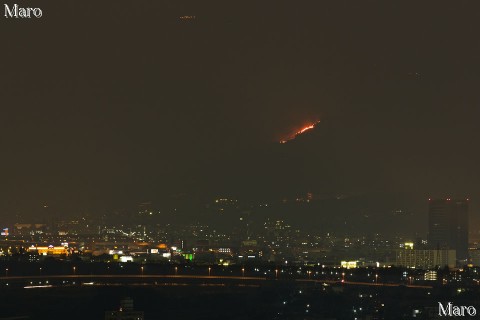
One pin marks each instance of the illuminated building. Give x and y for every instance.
(25, 229)
(430, 275)
(408, 245)
(475, 257)
(448, 225)
(188, 256)
(349, 264)
(49, 250)
(425, 259)
(126, 259)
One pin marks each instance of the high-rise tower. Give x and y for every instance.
(448, 225)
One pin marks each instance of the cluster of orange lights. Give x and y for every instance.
(305, 129)
(299, 132)
(187, 17)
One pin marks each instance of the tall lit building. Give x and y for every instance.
(425, 259)
(448, 225)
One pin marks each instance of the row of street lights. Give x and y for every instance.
(74, 269)
(40, 271)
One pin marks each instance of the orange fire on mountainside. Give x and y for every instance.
(299, 132)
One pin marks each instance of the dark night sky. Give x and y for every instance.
(108, 103)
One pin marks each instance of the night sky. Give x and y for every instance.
(105, 104)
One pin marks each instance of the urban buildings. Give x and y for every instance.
(430, 258)
(448, 226)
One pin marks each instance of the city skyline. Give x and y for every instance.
(147, 110)
(238, 160)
